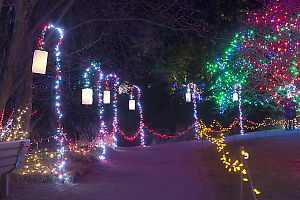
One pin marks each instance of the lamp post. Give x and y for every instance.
(237, 97)
(39, 66)
(291, 90)
(191, 97)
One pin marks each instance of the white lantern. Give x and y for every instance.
(235, 96)
(188, 97)
(106, 97)
(131, 104)
(87, 96)
(39, 62)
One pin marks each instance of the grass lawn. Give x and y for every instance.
(274, 165)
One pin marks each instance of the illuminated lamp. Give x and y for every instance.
(39, 62)
(235, 96)
(87, 96)
(188, 97)
(106, 97)
(131, 104)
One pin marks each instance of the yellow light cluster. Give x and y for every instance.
(264, 123)
(217, 125)
(231, 165)
(256, 191)
(40, 162)
(245, 154)
(124, 88)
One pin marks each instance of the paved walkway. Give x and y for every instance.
(160, 172)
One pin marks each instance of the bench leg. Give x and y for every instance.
(4, 185)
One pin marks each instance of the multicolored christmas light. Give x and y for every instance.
(238, 90)
(6, 127)
(195, 92)
(141, 129)
(60, 135)
(182, 87)
(264, 58)
(113, 87)
(111, 82)
(96, 67)
(278, 23)
(193, 87)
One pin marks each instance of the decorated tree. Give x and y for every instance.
(263, 58)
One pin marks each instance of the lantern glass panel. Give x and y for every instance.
(188, 97)
(87, 96)
(131, 104)
(235, 96)
(106, 97)
(39, 62)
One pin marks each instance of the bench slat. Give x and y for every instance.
(8, 153)
(9, 145)
(8, 161)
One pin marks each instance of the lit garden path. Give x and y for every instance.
(166, 171)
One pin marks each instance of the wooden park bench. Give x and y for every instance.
(12, 157)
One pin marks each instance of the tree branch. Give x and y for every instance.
(127, 19)
(42, 20)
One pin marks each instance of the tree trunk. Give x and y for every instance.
(25, 94)
(14, 53)
(26, 102)
(1, 4)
